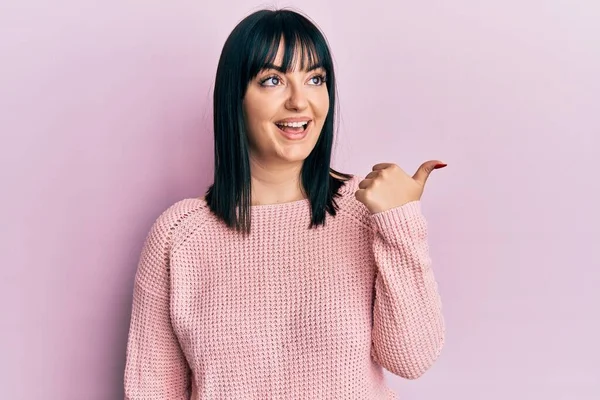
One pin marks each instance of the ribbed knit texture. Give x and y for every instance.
(287, 313)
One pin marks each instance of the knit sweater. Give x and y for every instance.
(286, 313)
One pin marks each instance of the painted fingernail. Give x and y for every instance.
(438, 166)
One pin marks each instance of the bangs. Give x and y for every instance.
(304, 47)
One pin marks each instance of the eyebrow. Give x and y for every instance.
(280, 69)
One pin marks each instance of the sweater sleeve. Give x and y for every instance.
(408, 326)
(156, 368)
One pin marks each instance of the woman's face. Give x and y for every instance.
(273, 96)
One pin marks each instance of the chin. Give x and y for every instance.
(294, 156)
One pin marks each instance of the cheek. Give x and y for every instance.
(252, 115)
(322, 104)
(321, 113)
(259, 111)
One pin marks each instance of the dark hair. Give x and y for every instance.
(252, 45)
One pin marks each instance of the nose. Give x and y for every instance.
(297, 99)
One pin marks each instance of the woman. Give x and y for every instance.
(288, 280)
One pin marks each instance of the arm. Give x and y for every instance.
(156, 368)
(408, 326)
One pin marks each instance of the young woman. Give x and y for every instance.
(288, 280)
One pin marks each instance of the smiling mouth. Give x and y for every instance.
(293, 129)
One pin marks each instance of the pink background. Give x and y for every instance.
(105, 115)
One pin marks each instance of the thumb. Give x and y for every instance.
(425, 169)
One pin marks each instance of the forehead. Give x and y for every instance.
(301, 56)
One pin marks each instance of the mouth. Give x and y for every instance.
(295, 128)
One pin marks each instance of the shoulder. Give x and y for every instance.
(350, 204)
(174, 221)
(179, 211)
(153, 266)
(350, 185)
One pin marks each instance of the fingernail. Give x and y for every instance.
(438, 166)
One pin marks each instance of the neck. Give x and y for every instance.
(272, 185)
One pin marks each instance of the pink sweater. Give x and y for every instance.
(288, 313)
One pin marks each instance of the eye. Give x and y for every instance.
(321, 79)
(276, 80)
(273, 78)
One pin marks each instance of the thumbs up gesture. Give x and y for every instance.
(388, 186)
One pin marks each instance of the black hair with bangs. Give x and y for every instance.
(251, 47)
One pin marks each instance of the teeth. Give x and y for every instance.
(293, 124)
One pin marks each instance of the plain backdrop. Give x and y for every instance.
(105, 116)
